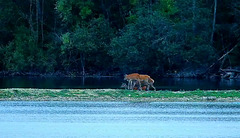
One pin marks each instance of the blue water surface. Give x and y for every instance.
(118, 119)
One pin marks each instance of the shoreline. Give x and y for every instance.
(118, 95)
(180, 75)
(55, 74)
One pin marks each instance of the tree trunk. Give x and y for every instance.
(214, 20)
(83, 64)
(37, 13)
(30, 17)
(105, 10)
(150, 7)
(83, 80)
(226, 57)
(42, 21)
(121, 11)
(194, 16)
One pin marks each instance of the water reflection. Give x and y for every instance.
(114, 82)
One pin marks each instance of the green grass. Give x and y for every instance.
(118, 95)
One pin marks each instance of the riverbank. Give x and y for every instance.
(21, 94)
(58, 74)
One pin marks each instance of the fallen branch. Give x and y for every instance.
(230, 70)
(220, 58)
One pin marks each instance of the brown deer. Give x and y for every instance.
(139, 79)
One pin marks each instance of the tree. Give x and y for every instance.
(140, 43)
(85, 44)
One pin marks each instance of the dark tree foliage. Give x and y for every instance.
(106, 37)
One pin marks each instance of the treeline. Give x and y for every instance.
(118, 36)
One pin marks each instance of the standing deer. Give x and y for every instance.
(139, 79)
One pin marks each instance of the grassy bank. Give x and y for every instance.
(17, 94)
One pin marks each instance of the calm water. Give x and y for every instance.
(118, 119)
(114, 82)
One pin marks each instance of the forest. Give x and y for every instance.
(110, 37)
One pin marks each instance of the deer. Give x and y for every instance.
(139, 79)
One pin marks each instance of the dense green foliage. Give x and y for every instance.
(121, 36)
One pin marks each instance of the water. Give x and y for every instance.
(118, 119)
(115, 82)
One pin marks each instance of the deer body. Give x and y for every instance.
(139, 79)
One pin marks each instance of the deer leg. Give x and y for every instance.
(133, 85)
(153, 87)
(124, 85)
(148, 87)
(140, 87)
(129, 83)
